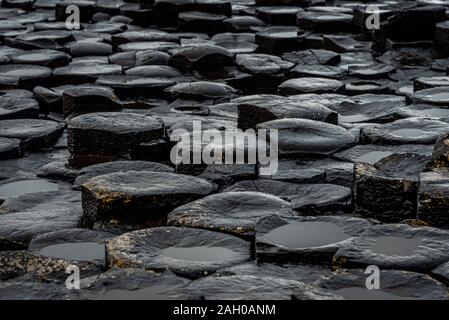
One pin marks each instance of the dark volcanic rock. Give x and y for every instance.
(440, 155)
(16, 104)
(310, 85)
(435, 96)
(58, 170)
(202, 57)
(46, 58)
(24, 289)
(267, 70)
(384, 112)
(278, 39)
(442, 273)
(90, 48)
(405, 131)
(17, 187)
(301, 136)
(202, 90)
(185, 251)
(10, 148)
(18, 263)
(140, 197)
(198, 21)
(242, 23)
(126, 86)
(395, 285)
(84, 72)
(316, 170)
(139, 58)
(253, 110)
(233, 212)
(250, 287)
(143, 36)
(23, 76)
(433, 193)
(441, 35)
(310, 240)
(396, 246)
(99, 137)
(313, 57)
(304, 273)
(387, 190)
(33, 133)
(324, 21)
(132, 284)
(307, 199)
(371, 154)
(72, 244)
(87, 100)
(278, 15)
(318, 71)
(100, 169)
(402, 26)
(17, 229)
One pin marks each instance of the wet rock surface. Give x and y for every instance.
(185, 251)
(132, 284)
(143, 197)
(15, 264)
(72, 244)
(233, 212)
(247, 287)
(17, 229)
(306, 240)
(89, 119)
(413, 249)
(398, 285)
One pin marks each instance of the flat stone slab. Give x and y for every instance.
(16, 104)
(311, 85)
(72, 244)
(432, 197)
(396, 246)
(441, 273)
(187, 252)
(10, 148)
(17, 229)
(256, 109)
(302, 136)
(232, 212)
(305, 240)
(100, 169)
(131, 284)
(316, 170)
(201, 57)
(139, 196)
(14, 264)
(308, 274)
(405, 131)
(395, 285)
(436, 96)
(95, 137)
(307, 199)
(249, 287)
(371, 154)
(387, 190)
(33, 133)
